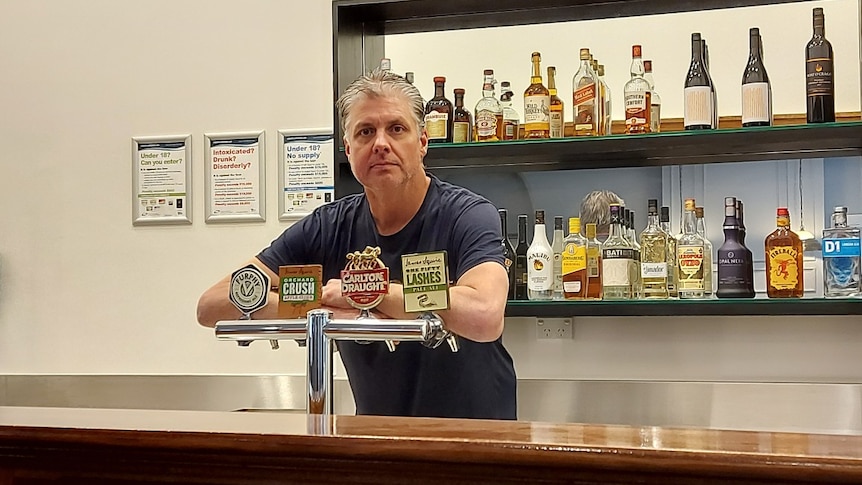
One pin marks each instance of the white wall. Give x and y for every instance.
(83, 291)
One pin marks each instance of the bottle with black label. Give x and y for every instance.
(734, 259)
(819, 74)
(508, 251)
(438, 114)
(699, 102)
(521, 259)
(756, 90)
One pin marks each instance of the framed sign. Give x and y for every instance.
(306, 159)
(235, 175)
(162, 180)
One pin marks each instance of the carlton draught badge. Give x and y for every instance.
(365, 279)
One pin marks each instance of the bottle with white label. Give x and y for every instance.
(699, 104)
(637, 96)
(841, 265)
(618, 256)
(653, 256)
(540, 263)
(756, 90)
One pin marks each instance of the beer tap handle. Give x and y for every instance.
(273, 344)
(390, 345)
(452, 340)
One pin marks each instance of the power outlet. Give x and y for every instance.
(554, 328)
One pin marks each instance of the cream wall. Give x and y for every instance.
(83, 291)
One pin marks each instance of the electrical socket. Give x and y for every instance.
(554, 328)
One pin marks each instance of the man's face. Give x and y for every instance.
(383, 142)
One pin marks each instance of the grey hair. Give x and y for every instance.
(595, 207)
(380, 83)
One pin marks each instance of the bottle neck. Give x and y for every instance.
(504, 226)
(522, 231)
(459, 100)
(754, 46)
(488, 88)
(839, 219)
(539, 234)
(782, 222)
(652, 221)
(438, 90)
(819, 27)
(689, 222)
(537, 73)
(701, 226)
(637, 68)
(696, 51)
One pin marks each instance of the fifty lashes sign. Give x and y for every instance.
(426, 282)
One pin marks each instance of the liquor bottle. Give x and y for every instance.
(489, 112)
(841, 265)
(537, 104)
(462, 120)
(594, 64)
(521, 259)
(511, 118)
(655, 99)
(734, 259)
(557, 250)
(653, 255)
(605, 99)
(699, 106)
(508, 251)
(438, 114)
(385, 64)
(756, 89)
(410, 77)
(594, 263)
(585, 90)
(784, 268)
(556, 106)
(707, 251)
(690, 256)
(631, 235)
(618, 257)
(705, 49)
(749, 272)
(574, 262)
(819, 74)
(540, 267)
(637, 96)
(670, 256)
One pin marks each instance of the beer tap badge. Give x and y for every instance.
(249, 289)
(299, 289)
(364, 279)
(426, 282)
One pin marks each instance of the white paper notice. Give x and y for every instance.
(308, 173)
(161, 181)
(235, 176)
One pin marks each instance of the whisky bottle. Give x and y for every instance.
(707, 251)
(605, 100)
(462, 121)
(690, 256)
(698, 103)
(594, 263)
(819, 74)
(537, 101)
(521, 259)
(585, 93)
(600, 113)
(637, 97)
(670, 255)
(841, 265)
(540, 267)
(556, 107)
(511, 118)
(756, 90)
(557, 250)
(653, 255)
(508, 251)
(438, 114)
(655, 99)
(618, 257)
(784, 270)
(489, 112)
(574, 262)
(734, 259)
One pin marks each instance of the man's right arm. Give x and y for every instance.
(215, 305)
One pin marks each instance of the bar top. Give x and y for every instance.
(492, 451)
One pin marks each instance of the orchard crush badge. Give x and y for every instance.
(364, 279)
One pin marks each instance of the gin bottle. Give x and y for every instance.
(690, 256)
(841, 265)
(540, 268)
(618, 257)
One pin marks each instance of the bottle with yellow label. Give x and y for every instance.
(574, 262)
(783, 260)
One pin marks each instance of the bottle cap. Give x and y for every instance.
(440, 79)
(574, 225)
(459, 91)
(540, 217)
(648, 66)
(585, 54)
(591, 230)
(783, 212)
(698, 211)
(636, 51)
(489, 72)
(689, 205)
(665, 214)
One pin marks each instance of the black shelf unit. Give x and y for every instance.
(715, 306)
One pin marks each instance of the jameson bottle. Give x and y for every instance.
(438, 114)
(508, 251)
(521, 259)
(783, 260)
(462, 120)
(734, 259)
(819, 74)
(699, 104)
(756, 90)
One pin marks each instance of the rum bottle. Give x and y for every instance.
(489, 112)
(618, 257)
(537, 102)
(784, 270)
(734, 259)
(508, 251)
(637, 96)
(438, 114)
(819, 74)
(756, 90)
(655, 99)
(585, 94)
(462, 121)
(699, 104)
(556, 106)
(540, 267)
(511, 118)
(690, 256)
(841, 268)
(594, 263)
(574, 262)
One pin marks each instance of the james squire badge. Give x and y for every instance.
(426, 281)
(364, 279)
(249, 289)
(299, 289)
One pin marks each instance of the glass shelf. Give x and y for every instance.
(713, 306)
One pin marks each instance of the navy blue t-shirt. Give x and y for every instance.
(479, 380)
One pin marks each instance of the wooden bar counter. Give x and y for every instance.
(100, 446)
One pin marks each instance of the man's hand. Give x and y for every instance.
(331, 295)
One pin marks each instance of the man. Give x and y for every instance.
(595, 207)
(403, 210)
